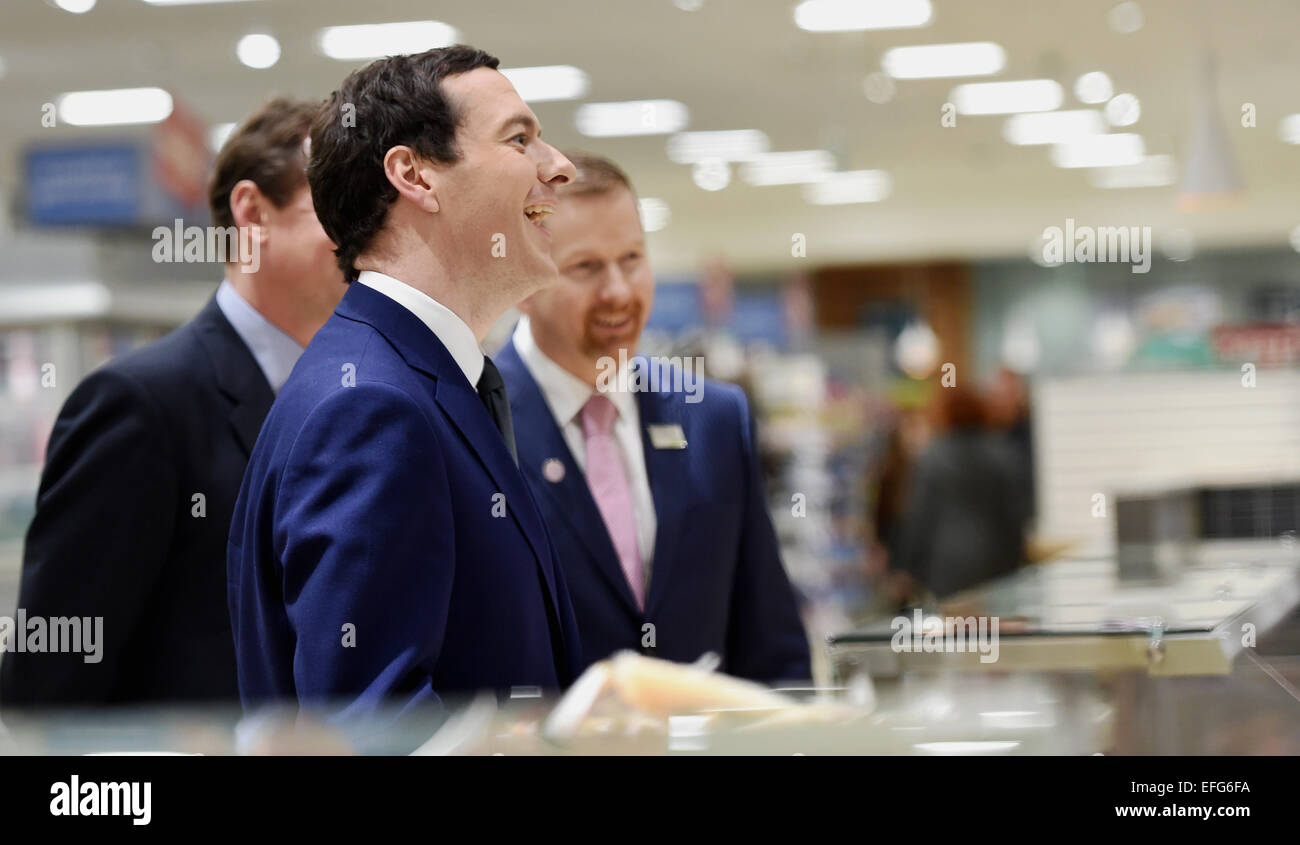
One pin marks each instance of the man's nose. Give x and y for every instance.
(616, 287)
(556, 169)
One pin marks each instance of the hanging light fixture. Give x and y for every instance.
(1211, 175)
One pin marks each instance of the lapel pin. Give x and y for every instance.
(553, 470)
(667, 436)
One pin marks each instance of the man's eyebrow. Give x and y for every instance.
(527, 121)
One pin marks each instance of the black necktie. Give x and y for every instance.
(492, 390)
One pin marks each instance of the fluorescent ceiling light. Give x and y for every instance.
(851, 186)
(728, 145)
(1100, 151)
(114, 107)
(1052, 127)
(77, 7)
(633, 117)
(548, 82)
(977, 58)
(372, 41)
(1123, 110)
(258, 50)
(1093, 88)
(1289, 129)
(857, 15)
(1150, 172)
(788, 168)
(711, 174)
(1007, 97)
(655, 213)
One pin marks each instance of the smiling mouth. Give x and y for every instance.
(612, 322)
(537, 215)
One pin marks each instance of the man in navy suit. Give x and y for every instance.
(147, 454)
(649, 482)
(385, 549)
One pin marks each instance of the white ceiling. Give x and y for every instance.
(958, 192)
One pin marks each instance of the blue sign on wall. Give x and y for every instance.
(85, 185)
(759, 317)
(676, 308)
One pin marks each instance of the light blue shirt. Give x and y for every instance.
(274, 351)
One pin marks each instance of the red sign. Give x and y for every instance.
(180, 156)
(1260, 343)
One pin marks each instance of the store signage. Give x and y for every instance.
(83, 185)
(1262, 344)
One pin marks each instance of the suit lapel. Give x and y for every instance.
(540, 440)
(239, 376)
(667, 469)
(423, 351)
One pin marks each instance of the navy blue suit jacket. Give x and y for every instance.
(120, 532)
(716, 583)
(385, 548)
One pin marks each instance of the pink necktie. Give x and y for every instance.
(609, 487)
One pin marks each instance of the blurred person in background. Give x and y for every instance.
(655, 500)
(903, 442)
(146, 456)
(1008, 403)
(966, 510)
(385, 550)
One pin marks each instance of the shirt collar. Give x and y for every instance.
(450, 329)
(274, 351)
(565, 393)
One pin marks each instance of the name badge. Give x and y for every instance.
(667, 436)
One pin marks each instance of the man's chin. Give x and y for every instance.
(526, 281)
(619, 352)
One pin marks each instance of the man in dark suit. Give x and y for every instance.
(147, 454)
(385, 549)
(652, 490)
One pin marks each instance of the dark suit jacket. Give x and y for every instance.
(717, 583)
(382, 502)
(119, 532)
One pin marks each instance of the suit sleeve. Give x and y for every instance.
(765, 638)
(105, 512)
(364, 533)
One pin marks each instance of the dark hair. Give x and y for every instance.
(596, 175)
(266, 148)
(958, 408)
(394, 101)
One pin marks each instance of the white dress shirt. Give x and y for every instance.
(454, 333)
(566, 394)
(273, 350)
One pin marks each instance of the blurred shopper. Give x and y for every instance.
(966, 512)
(653, 494)
(385, 549)
(903, 442)
(1008, 401)
(146, 457)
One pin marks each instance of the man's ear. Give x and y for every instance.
(414, 178)
(250, 209)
